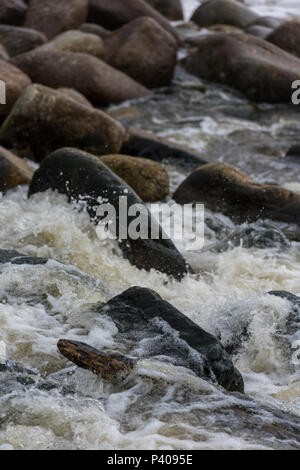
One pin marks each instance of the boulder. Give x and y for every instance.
(12, 11)
(171, 9)
(148, 179)
(97, 81)
(96, 29)
(222, 188)
(19, 40)
(259, 31)
(223, 12)
(84, 177)
(53, 17)
(141, 313)
(143, 50)
(15, 81)
(287, 37)
(140, 143)
(255, 67)
(75, 95)
(13, 170)
(115, 13)
(76, 41)
(44, 120)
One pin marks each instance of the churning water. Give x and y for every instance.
(160, 406)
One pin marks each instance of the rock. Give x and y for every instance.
(259, 31)
(44, 120)
(84, 177)
(255, 67)
(14, 257)
(224, 12)
(114, 14)
(141, 313)
(140, 143)
(76, 96)
(13, 170)
(222, 188)
(12, 11)
(3, 53)
(143, 50)
(15, 81)
(76, 41)
(19, 40)
(97, 81)
(294, 153)
(148, 179)
(268, 21)
(287, 37)
(171, 9)
(53, 17)
(96, 29)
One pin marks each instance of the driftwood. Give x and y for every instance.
(112, 367)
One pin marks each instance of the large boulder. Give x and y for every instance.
(84, 177)
(76, 41)
(141, 313)
(141, 143)
(13, 170)
(19, 40)
(53, 17)
(171, 9)
(12, 11)
(223, 188)
(44, 120)
(97, 81)
(148, 179)
(115, 13)
(15, 81)
(259, 69)
(287, 37)
(143, 50)
(223, 12)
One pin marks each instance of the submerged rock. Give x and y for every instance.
(44, 120)
(142, 314)
(222, 188)
(262, 71)
(84, 177)
(171, 9)
(15, 81)
(53, 17)
(145, 144)
(97, 81)
(143, 50)
(224, 12)
(13, 170)
(148, 179)
(287, 37)
(19, 40)
(12, 11)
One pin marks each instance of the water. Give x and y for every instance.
(161, 406)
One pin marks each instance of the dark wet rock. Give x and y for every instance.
(96, 29)
(76, 41)
(44, 120)
(97, 81)
(19, 40)
(13, 170)
(14, 257)
(259, 31)
(148, 179)
(224, 12)
(258, 235)
(171, 9)
(84, 177)
(112, 15)
(294, 153)
(287, 37)
(12, 11)
(256, 67)
(141, 313)
(143, 50)
(140, 143)
(222, 188)
(53, 17)
(15, 80)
